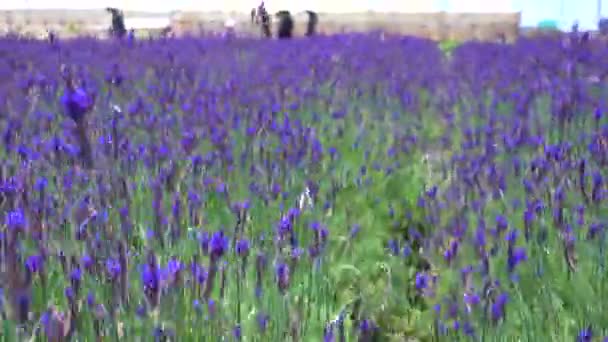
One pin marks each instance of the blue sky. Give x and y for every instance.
(566, 11)
(533, 11)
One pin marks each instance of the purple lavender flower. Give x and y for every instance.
(199, 273)
(69, 293)
(35, 263)
(91, 299)
(113, 268)
(237, 332)
(516, 255)
(284, 228)
(220, 187)
(87, 262)
(422, 281)
(450, 253)
(196, 304)
(41, 184)
(501, 223)
(218, 244)
(239, 207)
(393, 246)
(141, 311)
(366, 328)
(597, 113)
(498, 307)
(480, 238)
(471, 300)
(596, 191)
(262, 320)
(77, 103)
(174, 266)
(468, 329)
(512, 236)
(328, 333)
(282, 276)
(594, 230)
(296, 253)
(320, 238)
(150, 278)
(203, 239)
(75, 278)
(586, 335)
(75, 274)
(15, 220)
(242, 248)
(354, 231)
(54, 324)
(314, 251)
(211, 308)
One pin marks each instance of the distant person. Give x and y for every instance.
(254, 17)
(165, 32)
(51, 36)
(285, 27)
(313, 20)
(575, 27)
(118, 28)
(265, 21)
(573, 36)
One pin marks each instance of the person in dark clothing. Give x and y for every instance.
(254, 17)
(265, 21)
(285, 27)
(313, 20)
(165, 32)
(574, 28)
(51, 36)
(118, 28)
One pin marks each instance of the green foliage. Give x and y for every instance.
(447, 46)
(73, 28)
(373, 192)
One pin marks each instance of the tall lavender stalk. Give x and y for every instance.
(77, 103)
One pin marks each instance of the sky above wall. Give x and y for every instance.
(533, 11)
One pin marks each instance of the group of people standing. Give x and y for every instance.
(260, 16)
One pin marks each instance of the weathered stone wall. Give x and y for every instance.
(439, 26)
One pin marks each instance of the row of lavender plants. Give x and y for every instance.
(337, 188)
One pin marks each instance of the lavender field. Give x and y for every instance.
(343, 188)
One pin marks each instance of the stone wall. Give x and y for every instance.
(438, 26)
